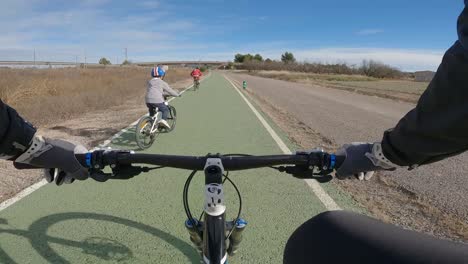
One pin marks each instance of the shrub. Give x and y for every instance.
(288, 57)
(379, 70)
(104, 61)
(368, 68)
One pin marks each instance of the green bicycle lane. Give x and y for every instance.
(142, 220)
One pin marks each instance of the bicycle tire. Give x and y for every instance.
(143, 138)
(172, 119)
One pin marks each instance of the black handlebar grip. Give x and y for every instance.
(82, 159)
(339, 160)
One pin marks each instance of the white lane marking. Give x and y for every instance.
(323, 196)
(28, 190)
(22, 194)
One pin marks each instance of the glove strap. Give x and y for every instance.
(37, 147)
(378, 158)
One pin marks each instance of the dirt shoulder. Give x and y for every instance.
(89, 129)
(382, 197)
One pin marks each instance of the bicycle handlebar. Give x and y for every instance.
(304, 164)
(103, 158)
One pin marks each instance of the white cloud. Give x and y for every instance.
(150, 4)
(89, 28)
(94, 3)
(366, 32)
(177, 25)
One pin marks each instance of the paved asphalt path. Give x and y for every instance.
(142, 220)
(348, 117)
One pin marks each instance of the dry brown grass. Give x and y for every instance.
(402, 90)
(47, 96)
(296, 76)
(84, 106)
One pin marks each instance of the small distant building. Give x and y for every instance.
(423, 76)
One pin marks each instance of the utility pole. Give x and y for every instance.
(85, 59)
(126, 54)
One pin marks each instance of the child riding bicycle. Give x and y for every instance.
(156, 91)
(196, 74)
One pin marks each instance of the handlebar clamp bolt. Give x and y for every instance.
(113, 166)
(96, 166)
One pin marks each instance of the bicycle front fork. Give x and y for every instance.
(195, 229)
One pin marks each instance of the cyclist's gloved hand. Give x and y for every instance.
(57, 157)
(361, 160)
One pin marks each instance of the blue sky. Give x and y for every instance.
(411, 35)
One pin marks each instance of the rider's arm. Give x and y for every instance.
(15, 133)
(17, 143)
(169, 90)
(438, 127)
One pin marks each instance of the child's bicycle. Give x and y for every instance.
(149, 127)
(196, 84)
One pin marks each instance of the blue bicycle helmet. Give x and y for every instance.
(157, 72)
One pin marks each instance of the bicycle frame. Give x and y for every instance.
(154, 126)
(156, 118)
(209, 236)
(214, 235)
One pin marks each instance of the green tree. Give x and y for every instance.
(104, 61)
(248, 57)
(126, 62)
(288, 57)
(258, 57)
(239, 58)
(268, 60)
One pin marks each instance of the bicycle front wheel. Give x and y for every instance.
(143, 136)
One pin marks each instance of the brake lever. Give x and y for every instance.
(99, 176)
(122, 172)
(125, 172)
(305, 172)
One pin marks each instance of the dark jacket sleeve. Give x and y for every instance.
(15, 133)
(438, 126)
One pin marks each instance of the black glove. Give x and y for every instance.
(57, 157)
(361, 160)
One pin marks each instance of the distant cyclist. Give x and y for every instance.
(196, 74)
(155, 93)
